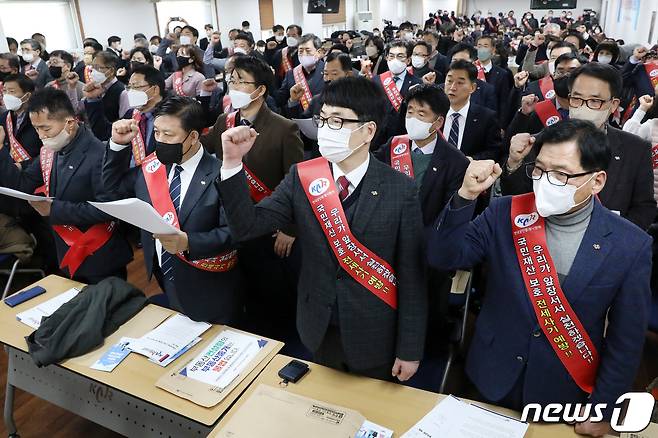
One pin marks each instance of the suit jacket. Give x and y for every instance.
(481, 139)
(443, 177)
(609, 277)
(387, 220)
(77, 181)
(484, 95)
(629, 189)
(502, 81)
(44, 74)
(276, 63)
(393, 121)
(204, 296)
(315, 82)
(635, 76)
(26, 135)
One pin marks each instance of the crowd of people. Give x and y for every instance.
(518, 149)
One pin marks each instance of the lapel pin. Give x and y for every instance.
(70, 167)
(596, 246)
(434, 169)
(374, 193)
(617, 157)
(203, 183)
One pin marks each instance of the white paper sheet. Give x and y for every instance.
(20, 195)
(224, 359)
(457, 419)
(307, 127)
(32, 317)
(138, 213)
(371, 430)
(168, 338)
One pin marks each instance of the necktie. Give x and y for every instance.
(343, 187)
(396, 79)
(167, 259)
(245, 122)
(564, 113)
(454, 130)
(417, 151)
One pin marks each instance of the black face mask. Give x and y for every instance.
(561, 86)
(182, 61)
(3, 75)
(170, 153)
(136, 64)
(55, 72)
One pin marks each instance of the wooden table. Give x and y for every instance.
(125, 400)
(394, 406)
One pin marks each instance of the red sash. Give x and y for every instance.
(652, 72)
(481, 73)
(226, 103)
(16, 150)
(298, 73)
(654, 156)
(547, 88)
(364, 266)
(87, 73)
(2, 86)
(547, 112)
(81, 244)
(285, 61)
(139, 150)
(55, 84)
(526, 23)
(155, 176)
(178, 83)
(401, 155)
(410, 70)
(557, 319)
(491, 26)
(391, 90)
(257, 189)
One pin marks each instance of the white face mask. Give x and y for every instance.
(335, 143)
(292, 41)
(396, 66)
(153, 49)
(137, 98)
(417, 129)
(308, 61)
(417, 61)
(240, 99)
(552, 200)
(598, 117)
(551, 67)
(28, 57)
(240, 50)
(407, 36)
(371, 51)
(57, 142)
(184, 39)
(98, 77)
(12, 103)
(279, 38)
(605, 59)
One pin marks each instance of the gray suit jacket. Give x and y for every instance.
(388, 221)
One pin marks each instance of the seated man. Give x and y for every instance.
(350, 316)
(566, 322)
(196, 267)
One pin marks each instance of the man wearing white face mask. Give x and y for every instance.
(308, 74)
(574, 275)
(68, 169)
(35, 68)
(286, 58)
(352, 317)
(420, 64)
(16, 130)
(594, 91)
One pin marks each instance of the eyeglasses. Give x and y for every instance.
(233, 82)
(136, 87)
(555, 177)
(577, 102)
(399, 57)
(332, 122)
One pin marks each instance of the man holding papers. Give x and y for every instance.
(68, 169)
(196, 267)
(362, 300)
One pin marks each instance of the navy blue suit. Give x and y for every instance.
(635, 76)
(393, 122)
(315, 82)
(609, 276)
(502, 81)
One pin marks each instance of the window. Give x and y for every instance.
(196, 12)
(54, 19)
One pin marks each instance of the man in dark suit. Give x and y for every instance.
(499, 77)
(629, 190)
(180, 261)
(437, 61)
(395, 84)
(347, 322)
(635, 74)
(27, 144)
(286, 58)
(310, 66)
(203, 42)
(35, 68)
(575, 320)
(473, 129)
(274, 43)
(485, 94)
(89, 246)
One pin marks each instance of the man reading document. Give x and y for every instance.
(362, 295)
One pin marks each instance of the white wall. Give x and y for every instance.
(435, 5)
(631, 20)
(233, 12)
(521, 6)
(124, 18)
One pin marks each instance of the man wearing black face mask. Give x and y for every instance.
(195, 267)
(60, 66)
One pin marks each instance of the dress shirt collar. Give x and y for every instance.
(355, 176)
(428, 149)
(191, 164)
(463, 112)
(402, 76)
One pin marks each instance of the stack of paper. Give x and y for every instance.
(169, 340)
(457, 419)
(32, 317)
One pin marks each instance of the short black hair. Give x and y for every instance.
(14, 61)
(139, 35)
(52, 99)
(399, 43)
(110, 59)
(295, 26)
(462, 64)
(487, 36)
(11, 41)
(245, 23)
(463, 47)
(581, 40)
(431, 95)
(317, 42)
(406, 25)
(93, 44)
(26, 84)
(187, 109)
(245, 37)
(191, 29)
(377, 41)
(595, 153)
(37, 34)
(342, 47)
(156, 37)
(604, 72)
(208, 26)
(566, 57)
(434, 34)
(343, 58)
(144, 51)
(152, 76)
(359, 94)
(113, 39)
(257, 68)
(64, 56)
(424, 44)
(610, 47)
(277, 27)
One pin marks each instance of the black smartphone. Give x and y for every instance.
(294, 371)
(219, 77)
(23, 296)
